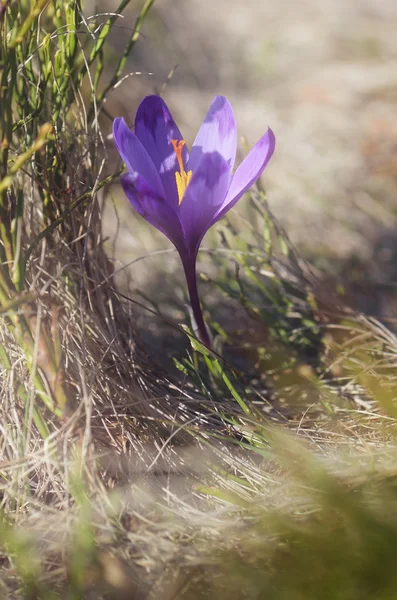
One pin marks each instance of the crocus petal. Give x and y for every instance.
(203, 197)
(153, 208)
(155, 128)
(248, 172)
(135, 156)
(218, 133)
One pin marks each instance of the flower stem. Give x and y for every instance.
(189, 266)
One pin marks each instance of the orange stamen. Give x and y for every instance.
(182, 178)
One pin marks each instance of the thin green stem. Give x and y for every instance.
(189, 265)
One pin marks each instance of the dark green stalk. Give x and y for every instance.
(189, 265)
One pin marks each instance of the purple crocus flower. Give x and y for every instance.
(183, 195)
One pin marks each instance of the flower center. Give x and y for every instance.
(182, 178)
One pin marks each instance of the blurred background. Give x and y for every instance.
(323, 75)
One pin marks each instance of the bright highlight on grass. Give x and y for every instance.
(183, 195)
